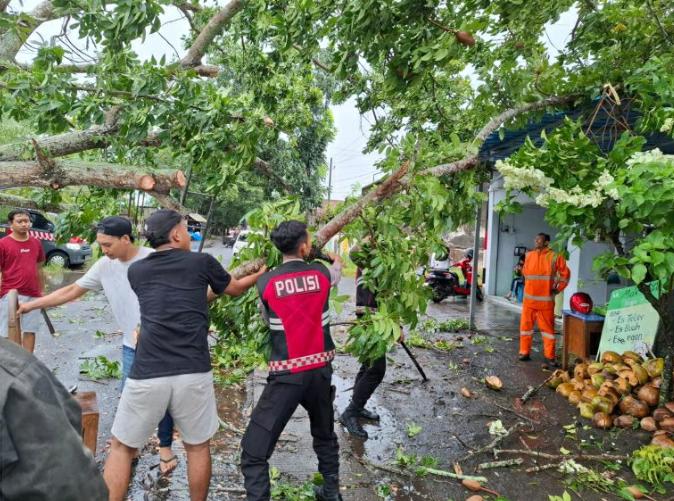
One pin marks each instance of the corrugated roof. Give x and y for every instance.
(496, 148)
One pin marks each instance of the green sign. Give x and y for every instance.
(631, 322)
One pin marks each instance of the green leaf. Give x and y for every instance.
(638, 273)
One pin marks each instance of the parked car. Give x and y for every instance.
(71, 254)
(242, 241)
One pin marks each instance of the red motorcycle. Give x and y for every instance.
(446, 283)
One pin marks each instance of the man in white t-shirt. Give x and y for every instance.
(109, 273)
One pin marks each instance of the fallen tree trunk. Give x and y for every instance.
(47, 173)
(400, 179)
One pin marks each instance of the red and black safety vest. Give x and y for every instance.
(295, 297)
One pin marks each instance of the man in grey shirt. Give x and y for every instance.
(109, 273)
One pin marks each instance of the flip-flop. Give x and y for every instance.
(165, 461)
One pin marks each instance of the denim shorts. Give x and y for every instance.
(128, 355)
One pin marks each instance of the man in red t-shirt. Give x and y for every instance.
(20, 257)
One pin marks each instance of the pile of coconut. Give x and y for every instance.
(621, 390)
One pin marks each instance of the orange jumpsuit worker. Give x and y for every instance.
(545, 275)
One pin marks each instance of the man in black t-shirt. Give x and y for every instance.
(370, 375)
(172, 368)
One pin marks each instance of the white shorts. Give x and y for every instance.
(30, 322)
(189, 398)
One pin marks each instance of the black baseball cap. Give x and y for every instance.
(159, 225)
(115, 226)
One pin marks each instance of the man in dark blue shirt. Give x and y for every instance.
(172, 368)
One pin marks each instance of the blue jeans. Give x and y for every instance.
(165, 426)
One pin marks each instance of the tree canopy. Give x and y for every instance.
(436, 77)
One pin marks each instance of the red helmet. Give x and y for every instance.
(581, 303)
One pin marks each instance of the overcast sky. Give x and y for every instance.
(351, 166)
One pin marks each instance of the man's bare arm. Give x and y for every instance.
(56, 298)
(238, 286)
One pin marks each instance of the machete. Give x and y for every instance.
(47, 320)
(414, 360)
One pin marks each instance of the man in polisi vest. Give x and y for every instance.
(294, 304)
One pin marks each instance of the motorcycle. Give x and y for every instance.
(445, 283)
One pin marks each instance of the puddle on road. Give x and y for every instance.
(57, 278)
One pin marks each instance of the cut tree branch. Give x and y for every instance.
(212, 29)
(58, 174)
(169, 202)
(401, 179)
(29, 203)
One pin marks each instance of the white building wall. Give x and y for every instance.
(506, 231)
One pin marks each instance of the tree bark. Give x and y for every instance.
(61, 144)
(27, 203)
(211, 30)
(56, 175)
(11, 42)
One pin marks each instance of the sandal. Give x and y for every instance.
(168, 469)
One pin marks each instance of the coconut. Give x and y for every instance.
(633, 407)
(649, 395)
(630, 376)
(661, 413)
(622, 385)
(656, 382)
(654, 366)
(586, 410)
(564, 389)
(611, 357)
(661, 439)
(597, 380)
(595, 368)
(554, 382)
(670, 407)
(588, 394)
(493, 382)
(580, 371)
(578, 384)
(609, 369)
(621, 367)
(667, 424)
(602, 420)
(624, 421)
(609, 392)
(471, 485)
(602, 404)
(648, 424)
(558, 377)
(574, 397)
(630, 355)
(641, 374)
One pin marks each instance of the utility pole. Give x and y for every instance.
(476, 255)
(330, 182)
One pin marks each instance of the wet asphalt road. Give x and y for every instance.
(451, 425)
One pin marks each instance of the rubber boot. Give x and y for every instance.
(329, 491)
(368, 414)
(349, 419)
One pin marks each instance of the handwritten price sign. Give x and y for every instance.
(631, 323)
